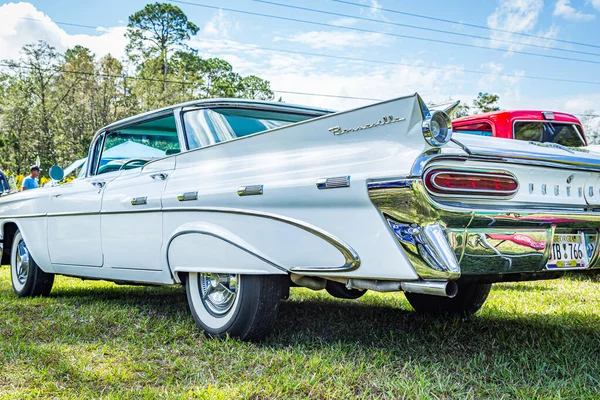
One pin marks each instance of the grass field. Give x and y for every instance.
(96, 339)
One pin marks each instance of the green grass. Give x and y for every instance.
(100, 340)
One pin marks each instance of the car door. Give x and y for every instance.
(131, 218)
(74, 219)
(131, 211)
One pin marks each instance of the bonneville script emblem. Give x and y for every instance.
(389, 119)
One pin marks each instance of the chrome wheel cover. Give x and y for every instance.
(218, 292)
(22, 262)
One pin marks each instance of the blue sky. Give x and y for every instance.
(241, 40)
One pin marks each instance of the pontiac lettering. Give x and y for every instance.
(389, 119)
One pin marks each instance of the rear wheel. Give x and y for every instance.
(241, 306)
(340, 291)
(468, 300)
(28, 280)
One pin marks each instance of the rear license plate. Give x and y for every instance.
(569, 251)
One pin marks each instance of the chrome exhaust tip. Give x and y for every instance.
(435, 288)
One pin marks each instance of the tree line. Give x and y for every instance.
(51, 103)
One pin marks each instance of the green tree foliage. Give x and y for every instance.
(591, 126)
(486, 102)
(51, 104)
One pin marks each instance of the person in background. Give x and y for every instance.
(4, 187)
(30, 182)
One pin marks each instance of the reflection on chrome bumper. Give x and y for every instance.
(445, 242)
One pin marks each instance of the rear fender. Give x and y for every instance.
(201, 246)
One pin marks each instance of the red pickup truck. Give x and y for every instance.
(538, 126)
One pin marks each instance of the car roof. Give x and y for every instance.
(221, 102)
(534, 115)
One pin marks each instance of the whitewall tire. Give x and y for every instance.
(241, 306)
(28, 280)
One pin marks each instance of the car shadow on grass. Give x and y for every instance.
(369, 323)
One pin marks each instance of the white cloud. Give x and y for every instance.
(375, 9)
(307, 74)
(337, 39)
(595, 3)
(563, 8)
(509, 84)
(520, 16)
(220, 26)
(23, 24)
(345, 21)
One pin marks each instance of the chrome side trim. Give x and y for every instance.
(22, 216)
(333, 183)
(251, 190)
(188, 196)
(351, 257)
(198, 231)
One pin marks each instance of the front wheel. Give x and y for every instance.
(468, 300)
(241, 306)
(28, 280)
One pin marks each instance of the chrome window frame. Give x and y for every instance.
(99, 138)
(544, 121)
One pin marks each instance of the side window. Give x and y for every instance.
(529, 131)
(135, 145)
(480, 129)
(209, 126)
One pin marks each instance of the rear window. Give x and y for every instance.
(209, 126)
(480, 129)
(552, 132)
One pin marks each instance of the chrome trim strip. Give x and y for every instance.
(333, 183)
(198, 231)
(530, 159)
(351, 257)
(22, 216)
(188, 196)
(251, 190)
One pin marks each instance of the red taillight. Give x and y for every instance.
(448, 182)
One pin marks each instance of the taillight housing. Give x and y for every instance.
(449, 182)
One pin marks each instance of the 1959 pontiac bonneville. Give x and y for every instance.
(237, 200)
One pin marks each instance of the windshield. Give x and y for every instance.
(209, 126)
(552, 132)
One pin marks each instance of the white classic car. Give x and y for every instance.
(239, 200)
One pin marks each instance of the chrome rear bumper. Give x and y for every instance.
(446, 242)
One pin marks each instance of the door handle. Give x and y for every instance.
(99, 184)
(188, 196)
(161, 175)
(139, 201)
